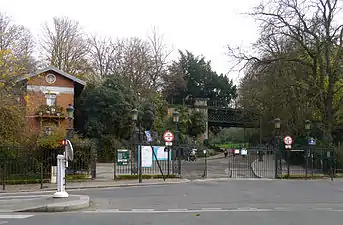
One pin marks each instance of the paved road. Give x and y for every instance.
(236, 202)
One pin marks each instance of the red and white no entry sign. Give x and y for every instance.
(287, 140)
(168, 136)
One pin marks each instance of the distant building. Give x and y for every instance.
(46, 95)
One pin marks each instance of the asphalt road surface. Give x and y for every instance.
(234, 202)
(230, 167)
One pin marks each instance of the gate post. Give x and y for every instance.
(275, 157)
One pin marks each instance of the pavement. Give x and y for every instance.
(230, 202)
(42, 203)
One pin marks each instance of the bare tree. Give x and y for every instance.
(315, 34)
(105, 55)
(65, 46)
(16, 48)
(135, 64)
(159, 54)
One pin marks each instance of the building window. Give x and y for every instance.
(51, 99)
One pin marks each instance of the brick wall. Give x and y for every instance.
(36, 99)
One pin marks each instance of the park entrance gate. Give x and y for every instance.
(245, 163)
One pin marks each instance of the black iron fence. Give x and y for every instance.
(25, 165)
(307, 162)
(129, 164)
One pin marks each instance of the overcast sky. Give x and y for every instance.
(201, 26)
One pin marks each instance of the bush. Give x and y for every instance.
(107, 147)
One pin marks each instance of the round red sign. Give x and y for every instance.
(168, 136)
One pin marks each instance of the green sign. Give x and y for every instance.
(122, 157)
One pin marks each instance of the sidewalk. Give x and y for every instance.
(42, 203)
(266, 168)
(89, 184)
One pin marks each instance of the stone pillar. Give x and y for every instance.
(200, 105)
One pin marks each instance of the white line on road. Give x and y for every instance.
(143, 210)
(175, 210)
(208, 210)
(3, 222)
(14, 216)
(211, 209)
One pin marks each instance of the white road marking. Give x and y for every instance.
(173, 210)
(178, 210)
(208, 210)
(3, 222)
(251, 210)
(143, 210)
(14, 216)
(211, 209)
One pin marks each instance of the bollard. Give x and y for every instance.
(61, 165)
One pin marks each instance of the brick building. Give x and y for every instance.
(47, 94)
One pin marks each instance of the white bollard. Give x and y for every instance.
(61, 193)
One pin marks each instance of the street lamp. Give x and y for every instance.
(307, 125)
(277, 123)
(277, 126)
(70, 111)
(134, 116)
(70, 115)
(176, 118)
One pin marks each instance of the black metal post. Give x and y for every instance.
(140, 154)
(277, 151)
(205, 172)
(4, 176)
(178, 150)
(307, 152)
(115, 165)
(70, 129)
(41, 175)
(168, 165)
(133, 148)
(93, 152)
(288, 167)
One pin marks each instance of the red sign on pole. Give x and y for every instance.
(168, 136)
(288, 140)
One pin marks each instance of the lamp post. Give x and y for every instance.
(277, 126)
(205, 154)
(70, 115)
(134, 115)
(176, 117)
(307, 128)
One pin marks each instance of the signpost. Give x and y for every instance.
(148, 136)
(288, 142)
(311, 141)
(122, 157)
(168, 137)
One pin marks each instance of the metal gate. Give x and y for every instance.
(263, 162)
(191, 169)
(252, 162)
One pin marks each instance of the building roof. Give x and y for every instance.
(52, 68)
